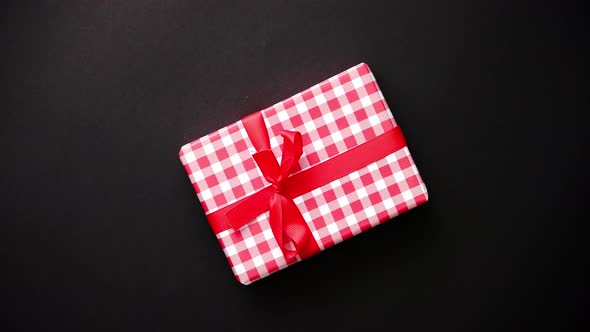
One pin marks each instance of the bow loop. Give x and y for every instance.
(267, 162)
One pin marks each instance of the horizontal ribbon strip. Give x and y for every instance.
(247, 209)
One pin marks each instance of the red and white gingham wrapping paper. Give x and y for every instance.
(333, 116)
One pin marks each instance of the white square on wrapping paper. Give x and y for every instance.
(328, 118)
(324, 209)
(208, 148)
(216, 167)
(273, 142)
(206, 194)
(337, 137)
(338, 91)
(355, 128)
(225, 186)
(235, 158)
(318, 145)
(362, 193)
(316, 192)
(243, 177)
(268, 234)
(320, 99)
(231, 250)
(357, 83)
(354, 175)
(342, 200)
(276, 253)
(283, 116)
(399, 176)
(374, 120)
(189, 157)
(380, 184)
(306, 216)
(388, 203)
(407, 195)
(239, 268)
(351, 220)
(366, 101)
(197, 176)
(372, 167)
(258, 261)
(335, 184)
(226, 140)
(391, 158)
(249, 242)
(347, 109)
(309, 126)
(332, 228)
(370, 212)
(301, 107)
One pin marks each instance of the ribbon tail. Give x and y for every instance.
(294, 229)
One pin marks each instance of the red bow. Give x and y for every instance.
(285, 219)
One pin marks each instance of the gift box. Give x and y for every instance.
(302, 175)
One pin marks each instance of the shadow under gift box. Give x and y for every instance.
(339, 114)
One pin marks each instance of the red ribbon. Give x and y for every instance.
(286, 221)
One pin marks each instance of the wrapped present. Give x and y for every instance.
(298, 177)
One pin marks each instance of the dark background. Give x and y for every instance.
(101, 229)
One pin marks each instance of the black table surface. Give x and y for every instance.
(101, 229)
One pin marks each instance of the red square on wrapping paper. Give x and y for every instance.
(356, 206)
(241, 145)
(311, 204)
(263, 248)
(238, 190)
(367, 179)
(315, 112)
(296, 120)
(220, 199)
(288, 103)
(404, 162)
(350, 142)
(211, 180)
(225, 175)
(334, 104)
(245, 255)
(371, 88)
(352, 96)
(413, 181)
(230, 172)
(323, 130)
(203, 162)
(363, 70)
(332, 150)
(307, 95)
(360, 115)
(375, 198)
(329, 195)
(326, 87)
(338, 214)
(313, 158)
(342, 123)
(344, 78)
(319, 223)
(222, 154)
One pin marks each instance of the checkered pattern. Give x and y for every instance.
(333, 116)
